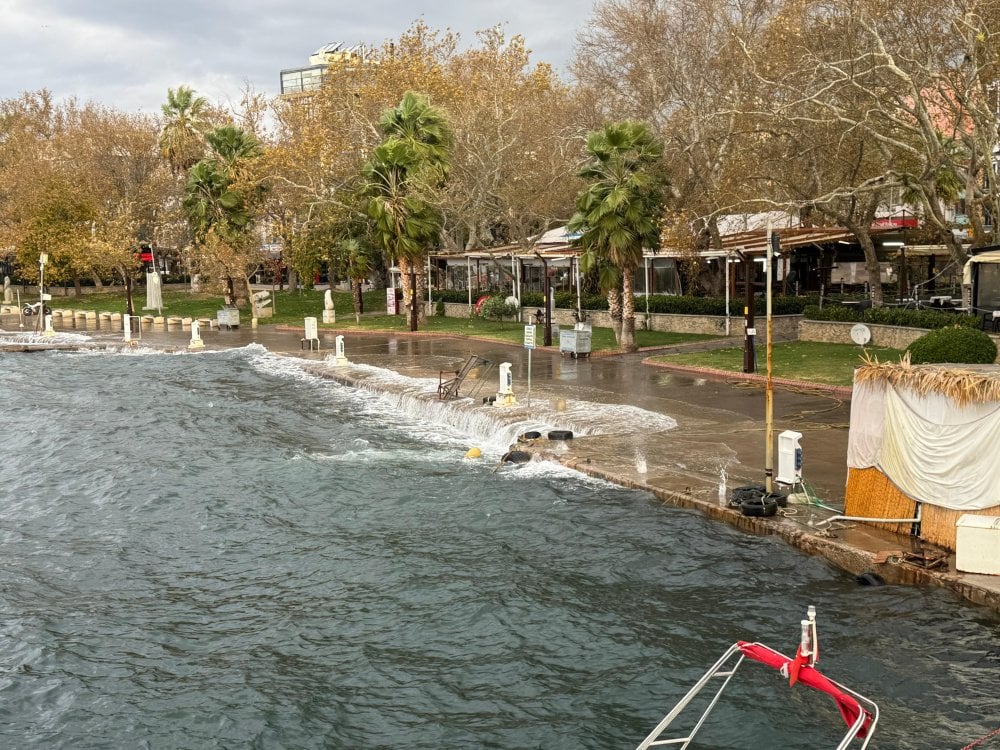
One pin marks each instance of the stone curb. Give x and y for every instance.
(749, 377)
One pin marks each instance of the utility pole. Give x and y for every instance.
(42, 260)
(773, 247)
(547, 340)
(413, 299)
(749, 365)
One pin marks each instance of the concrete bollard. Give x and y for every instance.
(340, 359)
(196, 342)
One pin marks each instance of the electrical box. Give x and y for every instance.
(789, 458)
(977, 544)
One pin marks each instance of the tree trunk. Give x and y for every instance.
(359, 302)
(241, 290)
(129, 307)
(858, 218)
(627, 341)
(872, 265)
(615, 310)
(404, 282)
(421, 293)
(473, 242)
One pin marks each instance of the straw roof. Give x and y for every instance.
(963, 384)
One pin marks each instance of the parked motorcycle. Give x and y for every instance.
(33, 309)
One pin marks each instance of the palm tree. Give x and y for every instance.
(182, 137)
(358, 263)
(219, 200)
(233, 148)
(402, 179)
(617, 214)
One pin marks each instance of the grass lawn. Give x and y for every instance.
(601, 339)
(291, 308)
(832, 364)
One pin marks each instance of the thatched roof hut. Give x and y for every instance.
(924, 436)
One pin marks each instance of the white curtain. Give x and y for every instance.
(934, 451)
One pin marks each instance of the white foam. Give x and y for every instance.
(540, 469)
(60, 338)
(410, 405)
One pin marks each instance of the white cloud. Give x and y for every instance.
(126, 53)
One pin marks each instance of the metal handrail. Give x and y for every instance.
(862, 727)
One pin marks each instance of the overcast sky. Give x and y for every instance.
(126, 53)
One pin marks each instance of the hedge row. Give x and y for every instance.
(658, 303)
(807, 306)
(891, 316)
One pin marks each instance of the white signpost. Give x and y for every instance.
(529, 344)
(390, 301)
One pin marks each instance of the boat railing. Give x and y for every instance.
(859, 713)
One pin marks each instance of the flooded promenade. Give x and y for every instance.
(688, 438)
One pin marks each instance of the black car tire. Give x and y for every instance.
(560, 435)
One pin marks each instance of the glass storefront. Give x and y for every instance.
(988, 286)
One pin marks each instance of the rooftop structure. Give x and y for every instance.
(310, 77)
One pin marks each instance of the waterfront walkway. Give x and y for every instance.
(718, 443)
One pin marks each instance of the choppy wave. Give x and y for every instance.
(232, 551)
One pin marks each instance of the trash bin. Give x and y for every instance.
(575, 341)
(229, 317)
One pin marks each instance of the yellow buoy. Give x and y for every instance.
(474, 453)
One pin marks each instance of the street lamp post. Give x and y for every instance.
(771, 247)
(42, 260)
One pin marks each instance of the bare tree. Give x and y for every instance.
(679, 64)
(909, 81)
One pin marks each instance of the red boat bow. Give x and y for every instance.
(849, 708)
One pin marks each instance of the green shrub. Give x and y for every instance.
(439, 308)
(533, 299)
(496, 308)
(955, 344)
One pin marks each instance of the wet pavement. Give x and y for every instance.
(718, 442)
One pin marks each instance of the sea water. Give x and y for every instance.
(220, 550)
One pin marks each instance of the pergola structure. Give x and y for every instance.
(521, 268)
(812, 259)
